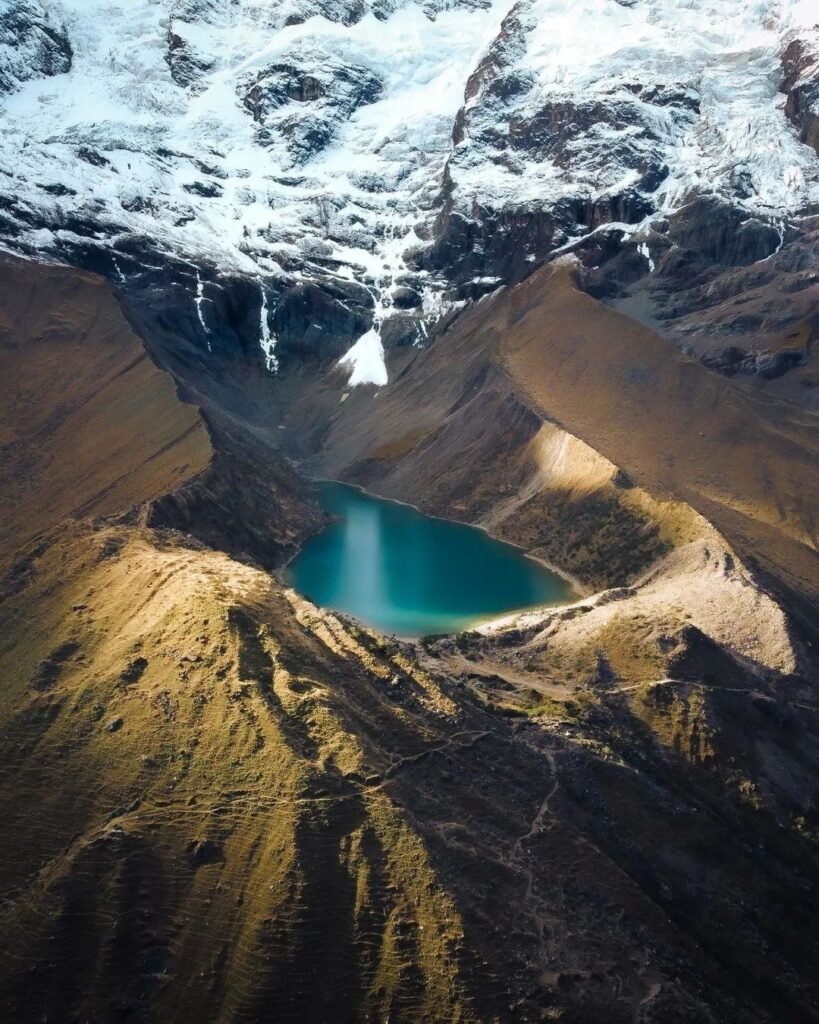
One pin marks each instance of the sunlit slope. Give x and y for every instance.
(748, 463)
(209, 766)
(223, 804)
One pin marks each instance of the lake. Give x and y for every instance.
(403, 572)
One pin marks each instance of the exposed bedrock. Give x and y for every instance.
(766, 364)
(742, 293)
(479, 252)
(303, 98)
(709, 231)
(187, 64)
(800, 62)
(32, 44)
(198, 314)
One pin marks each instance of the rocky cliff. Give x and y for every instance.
(347, 173)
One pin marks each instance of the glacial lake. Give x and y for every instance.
(406, 573)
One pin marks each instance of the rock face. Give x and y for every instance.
(32, 45)
(611, 127)
(800, 62)
(331, 154)
(303, 99)
(770, 365)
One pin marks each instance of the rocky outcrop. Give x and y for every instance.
(601, 129)
(32, 45)
(303, 99)
(769, 365)
(478, 253)
(195, 315)
(187, 65)
(600, 150)
(710, 234)
(740, 292)
(800, 62)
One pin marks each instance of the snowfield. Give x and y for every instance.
(262, 137)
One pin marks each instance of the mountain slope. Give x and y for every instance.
(362, 168)
(548, 268)
(225, 803)
(89, 426)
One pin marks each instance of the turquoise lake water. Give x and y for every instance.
(406, 573)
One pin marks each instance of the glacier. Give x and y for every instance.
(339, 142)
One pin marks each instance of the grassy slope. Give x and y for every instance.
(173, 700)
(88, 424)
(745, 461)
(224, 805)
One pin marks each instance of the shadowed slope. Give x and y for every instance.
(748, 462)
(88, 424)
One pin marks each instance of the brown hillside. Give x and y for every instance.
(748, 462)
(224, 805)
(88, 424)
(537, 411)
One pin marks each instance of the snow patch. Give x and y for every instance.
(644, 251)
(200, 298)
(267, 340)
(118, 143)
(692, 87)
(366, 361)
(188, 167)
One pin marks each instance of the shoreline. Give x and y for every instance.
(580, 592)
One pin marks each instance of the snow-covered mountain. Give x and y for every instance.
(359, 167)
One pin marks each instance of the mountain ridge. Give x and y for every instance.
(546, 268)
(493, 137)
